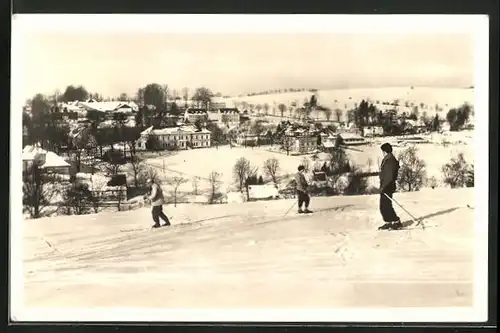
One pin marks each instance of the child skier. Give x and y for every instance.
(301, 187)
(156, 198)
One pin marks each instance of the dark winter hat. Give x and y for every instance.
(301, 167)
(386, 147)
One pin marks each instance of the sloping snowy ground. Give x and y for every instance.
(251, 255)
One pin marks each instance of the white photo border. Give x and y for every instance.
(366, 24)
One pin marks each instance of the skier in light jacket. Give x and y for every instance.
(156, 198)
(301, 187)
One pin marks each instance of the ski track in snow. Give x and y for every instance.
(334, 257)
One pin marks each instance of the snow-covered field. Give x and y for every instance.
(251, 255)
(201, 162)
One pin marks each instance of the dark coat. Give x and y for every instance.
(388, 173)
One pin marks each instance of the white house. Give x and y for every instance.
(225, 116)
(371, 131)
(247, 139)
(49, 161)
(182, 137)
(351, 139)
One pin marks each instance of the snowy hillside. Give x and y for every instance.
(345, 99)
(251, 255)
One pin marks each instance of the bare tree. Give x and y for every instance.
(370, 164)
(282, 109)
(328, 114)
(271, 168)
(175, 183)
(412, 170)
(112, 169)
(287, 144)
(150, 173)
(137, 168)
(215, 183)
(38, 192)
(338, 114)
(266, 108)
(196, 183)
(241, 171)
(185, 96)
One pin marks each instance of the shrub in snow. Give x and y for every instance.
(458, 173)
(432, 182)
(412, 173)
(78, 200)
(356, 183)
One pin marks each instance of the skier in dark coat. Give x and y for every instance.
(388, 175)
(301, 186)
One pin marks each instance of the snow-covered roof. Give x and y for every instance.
(29, 152)
(196, 111)
(328, 144)
(175, 130)
(350, 136)
(147, 130)
(109, 106)
(52, 160)
(415, 123)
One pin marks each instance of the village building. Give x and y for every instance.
(305, 144)
(351, 139)
(247, 139)
(372, 131)
(193, 115)
(110, 110)
(225, 116)
(328, 141)
(215, 105)
(301, 141)
(48, 161)
(182, 137)
(416, 126)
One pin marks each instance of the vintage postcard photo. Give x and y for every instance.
(249, 168)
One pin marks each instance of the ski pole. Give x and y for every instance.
(289, 209)
(407, 212)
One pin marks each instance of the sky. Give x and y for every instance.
(111, 63)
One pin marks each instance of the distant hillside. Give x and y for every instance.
(425, 98)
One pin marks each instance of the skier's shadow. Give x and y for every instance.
(442, 212)
(338, 208)
(287, 217)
